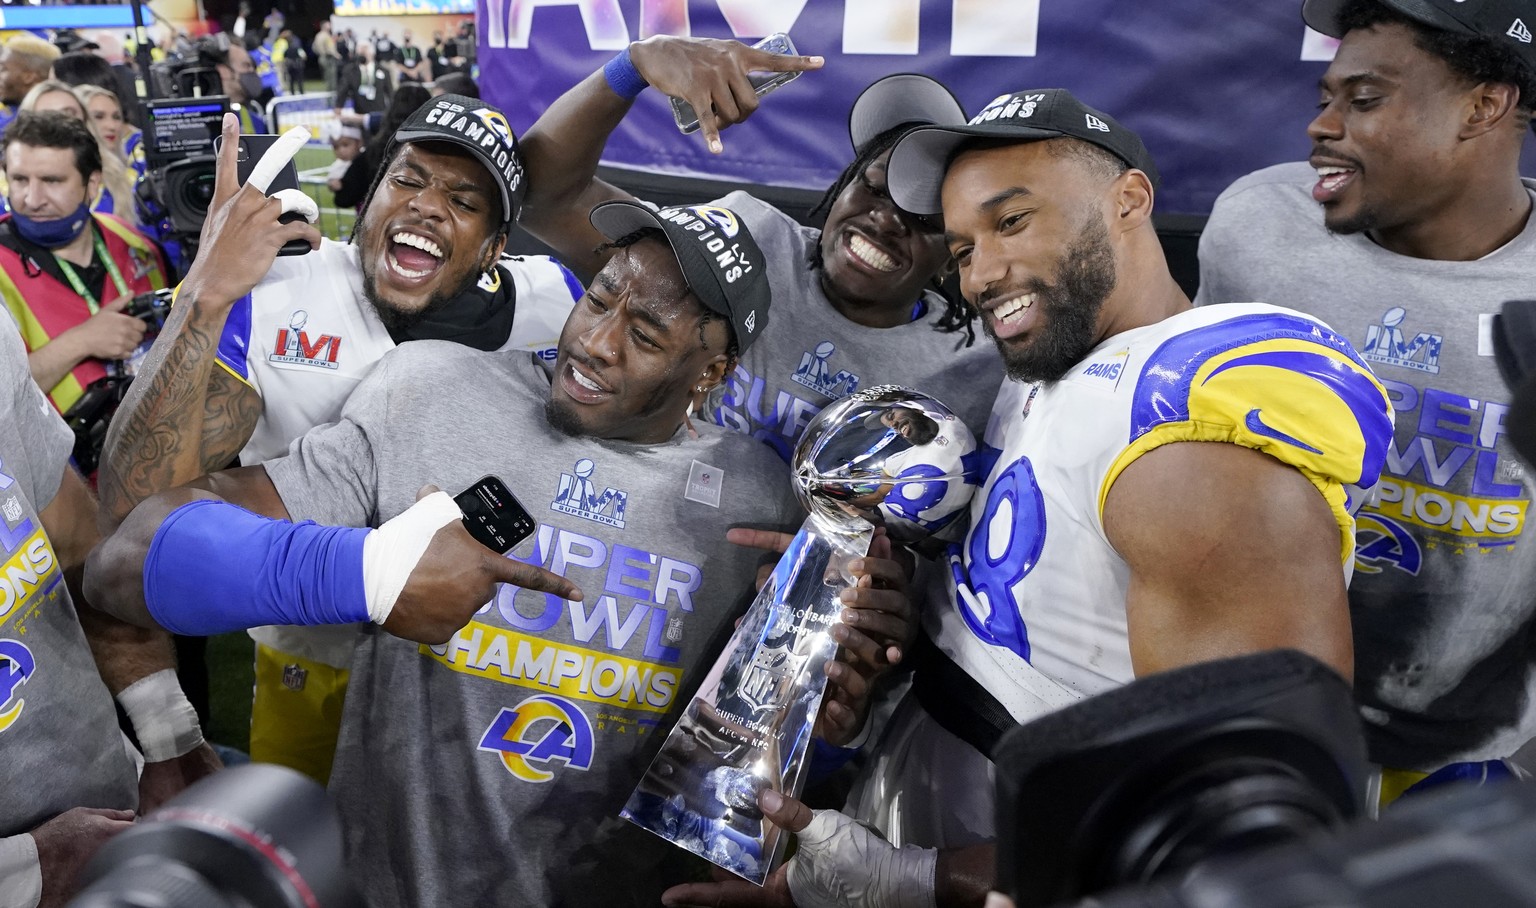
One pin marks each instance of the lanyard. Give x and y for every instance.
(79, 285)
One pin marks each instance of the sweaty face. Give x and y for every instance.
(108, 118)
(428, 231)
(1027, 231)
(1383, 138)
(874, 255)
(45, 185)
(61, 102)
(633, 350)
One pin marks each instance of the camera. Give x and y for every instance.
(178, 151)
(1156, 777)
(253, 836)
(91, 415)
(1241, 783)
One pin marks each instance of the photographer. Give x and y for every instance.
(66, 274)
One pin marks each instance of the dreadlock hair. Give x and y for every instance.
(708, 315)
(1475, 58)
(957, 313)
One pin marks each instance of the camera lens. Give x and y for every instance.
(200, 192)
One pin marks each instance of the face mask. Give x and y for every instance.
(55, 233)
(250, 83)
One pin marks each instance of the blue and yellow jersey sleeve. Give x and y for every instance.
(1274, 382)
(234, 350)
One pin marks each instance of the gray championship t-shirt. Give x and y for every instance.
(810, 355)
(59, 742)
(491, 770)
(1444, 595)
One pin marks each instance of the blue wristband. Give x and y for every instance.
(214, 567)
(623, 78)
(827, 759)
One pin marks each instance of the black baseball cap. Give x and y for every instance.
(918, 162)
(721, 262)
(1507, 22)
(479, 127)
(902, 98)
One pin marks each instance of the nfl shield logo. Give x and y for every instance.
(294, 677)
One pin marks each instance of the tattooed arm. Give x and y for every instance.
(185, 415)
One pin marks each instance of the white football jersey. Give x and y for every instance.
(1035, 595)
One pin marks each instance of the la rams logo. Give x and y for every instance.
(16, 668)
(542, 732)
(721, 219)
(496, 122)
(1382, 542)
(490, 281)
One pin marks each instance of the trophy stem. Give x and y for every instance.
(749, 726)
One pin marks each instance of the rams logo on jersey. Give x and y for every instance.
(16, 668)
(542, 732)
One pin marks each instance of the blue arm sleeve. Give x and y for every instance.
(214, 567)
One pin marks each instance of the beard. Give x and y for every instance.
(563, 419)
(1366, 219)
(1069, 328)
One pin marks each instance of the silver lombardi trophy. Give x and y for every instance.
(886, 456)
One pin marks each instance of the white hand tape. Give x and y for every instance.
(298, 200)
(391, 552)
(163, 720)
(844, 864)
(276, 158)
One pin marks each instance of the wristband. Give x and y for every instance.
(21, 875)
(163, 721)
(623, 78)
(392, 551)
(214, 567)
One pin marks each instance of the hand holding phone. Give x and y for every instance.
(266, 163)
(494, 516)
(762, 82)
(722, 79)
(242, 233)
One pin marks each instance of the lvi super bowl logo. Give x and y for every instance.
(542, 733)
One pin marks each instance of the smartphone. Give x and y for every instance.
(494, 516)
(250, 151)
(762, 83)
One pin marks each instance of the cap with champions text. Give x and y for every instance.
(916, 172)
(1506, 22)
(479, 127)
(720, 261)
(901, 98)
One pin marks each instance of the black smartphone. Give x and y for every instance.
(494, 516)
(762, 83)
(251, 149)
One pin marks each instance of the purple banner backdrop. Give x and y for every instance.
(1215, 88)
